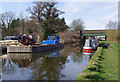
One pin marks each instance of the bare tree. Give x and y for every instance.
(112, 25)
(113, 31)
(2, 20)
(21, 16)
(77, 25)
(0, 24)
(7, 18)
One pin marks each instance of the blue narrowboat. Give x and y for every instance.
(52, 39)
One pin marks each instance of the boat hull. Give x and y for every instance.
(89, 50)
(90, 46)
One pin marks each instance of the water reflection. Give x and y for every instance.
(48, 68)
(64, 64)
(55, 54)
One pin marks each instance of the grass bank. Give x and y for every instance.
(103, 65)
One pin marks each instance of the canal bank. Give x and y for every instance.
(103, 65)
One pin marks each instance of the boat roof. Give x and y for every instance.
(90, 39)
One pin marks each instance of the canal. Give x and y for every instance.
(62, 64)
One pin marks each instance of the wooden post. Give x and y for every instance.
(105, 38)
(80, 33)
(84, 37)
(0, 33)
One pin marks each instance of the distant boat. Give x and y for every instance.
(106, 45)
(90, 46)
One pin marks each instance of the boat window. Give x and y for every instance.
(92, 43)
(87, 43)
(58, 37)
(52, 37)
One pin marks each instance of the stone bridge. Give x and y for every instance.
(91, 33)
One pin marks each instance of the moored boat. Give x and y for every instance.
(52, 39)
(90, 46)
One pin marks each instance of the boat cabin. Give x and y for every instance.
(52, 39)
(90, 46)
(89, 43)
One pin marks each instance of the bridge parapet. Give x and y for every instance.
(94, 34)
(91, 32)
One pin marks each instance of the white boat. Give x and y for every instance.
(90, 46)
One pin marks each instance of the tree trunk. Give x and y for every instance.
(38, 38)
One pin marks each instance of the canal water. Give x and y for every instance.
(62, 64)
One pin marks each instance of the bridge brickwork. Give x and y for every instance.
(91, 32)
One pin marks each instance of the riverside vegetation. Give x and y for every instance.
(103, 65)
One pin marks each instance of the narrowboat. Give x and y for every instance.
(52, 39)
(90, 46)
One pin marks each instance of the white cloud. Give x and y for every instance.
(17, 0)
(60, 0)
(107, 7)
(72, 11)
(100, 23)
(76, 10)
(112, 16)
(95, 16)
(93, 24)
(90, 0)
(68, 21)
(0, 7)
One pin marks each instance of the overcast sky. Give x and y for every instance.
(95, 14)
